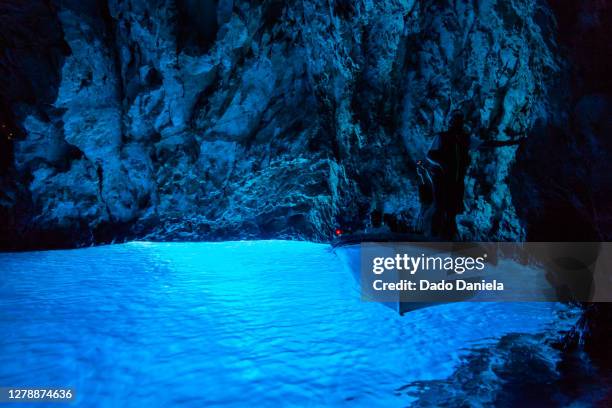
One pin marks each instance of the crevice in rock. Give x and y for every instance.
(196, 25)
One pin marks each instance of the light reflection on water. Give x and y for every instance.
(262, 323)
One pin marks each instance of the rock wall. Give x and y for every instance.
(562, 175)
(230, 119)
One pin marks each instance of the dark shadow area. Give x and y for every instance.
(521, 370)
(562, 179)
(553, 193)
(196, 25)
(32, 51)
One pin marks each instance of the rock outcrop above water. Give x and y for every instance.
(179, 120)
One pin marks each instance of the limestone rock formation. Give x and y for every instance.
(220, 119)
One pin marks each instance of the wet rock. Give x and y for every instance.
(519, 370)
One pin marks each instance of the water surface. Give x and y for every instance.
(263, 323)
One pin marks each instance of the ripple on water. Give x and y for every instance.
(259, 323)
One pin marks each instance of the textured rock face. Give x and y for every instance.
(235, 119)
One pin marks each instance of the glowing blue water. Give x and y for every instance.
(246, 323)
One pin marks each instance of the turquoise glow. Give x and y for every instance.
(263, 323)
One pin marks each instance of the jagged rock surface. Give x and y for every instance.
(235, 119)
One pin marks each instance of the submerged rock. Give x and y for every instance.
(520, 370)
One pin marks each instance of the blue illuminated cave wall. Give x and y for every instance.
(180, 120)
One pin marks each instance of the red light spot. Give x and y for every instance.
(338, 231)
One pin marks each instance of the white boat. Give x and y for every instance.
(524, 282)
